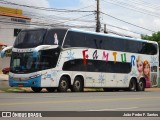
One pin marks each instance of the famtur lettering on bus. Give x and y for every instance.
(106, 56)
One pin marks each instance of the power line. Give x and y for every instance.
(134, 8)
(155, 6)
(49, 25)
(72, 19)
(119, 34)
(51, 18)
(127, 22)
(122, 29)
(42, 8)
(44, 25)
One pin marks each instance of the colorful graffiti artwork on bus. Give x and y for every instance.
(115, 58)
(139, 63)
(143, 68)
(146, 71)
(70, 55)
(85, 56)
(105, 56)
(101, 79)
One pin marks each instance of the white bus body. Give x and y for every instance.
(86, 60)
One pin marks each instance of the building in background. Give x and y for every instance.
(11, 22)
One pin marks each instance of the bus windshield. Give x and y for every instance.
(29, 38)
(22, 63)
(34, 38)
(25, 62)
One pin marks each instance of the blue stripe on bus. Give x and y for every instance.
(35, 82)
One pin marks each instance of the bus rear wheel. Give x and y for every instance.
(141, 85)
(107, 89)
(36, 89)
(63, 85)
(50, 89)
(77, 85)
(132, 85)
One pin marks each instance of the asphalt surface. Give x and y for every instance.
(85, 101)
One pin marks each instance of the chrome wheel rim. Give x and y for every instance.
(77, 84)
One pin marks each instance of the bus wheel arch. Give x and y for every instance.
(78, 84)
(141, 84)
(64, 83)
(133, 84)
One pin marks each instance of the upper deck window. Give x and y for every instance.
(55, 37)
(34, 38)
(29, 38)
(80, 39)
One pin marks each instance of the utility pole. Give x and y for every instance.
(105, 28)
(98, 24)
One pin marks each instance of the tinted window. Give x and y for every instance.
(149, 48)
(76, 39)
(29, 38)
(48, 58)
(16, 31)
(55, 37)
(92, 40)
(97, 66)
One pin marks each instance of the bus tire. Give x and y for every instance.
(50, 89)
(63, 84)
(107, 89)
(77, 85)
(141, 85)
(132, 85)
(36, 89)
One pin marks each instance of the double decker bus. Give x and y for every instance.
(62, 59)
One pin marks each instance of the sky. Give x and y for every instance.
(142, 13)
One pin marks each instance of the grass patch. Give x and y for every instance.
(13, 89)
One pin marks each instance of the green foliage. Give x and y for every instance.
(14, 89)
(154, 37)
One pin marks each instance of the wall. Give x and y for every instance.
(7, 37)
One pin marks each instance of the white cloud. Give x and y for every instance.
(38, 3)
(156, 24)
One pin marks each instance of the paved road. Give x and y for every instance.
(86, 101)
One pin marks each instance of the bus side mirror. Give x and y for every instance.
(3, 52)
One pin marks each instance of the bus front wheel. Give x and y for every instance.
(63, 84)
(36, 89)
(77, 85)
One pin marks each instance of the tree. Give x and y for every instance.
(154, 37)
